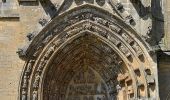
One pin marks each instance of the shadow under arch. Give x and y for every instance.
(116, 32)
(74, 64)
(113, 92)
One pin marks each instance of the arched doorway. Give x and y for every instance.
(88, 53)
(85, 68)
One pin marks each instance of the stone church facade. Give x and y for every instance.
(84, 50)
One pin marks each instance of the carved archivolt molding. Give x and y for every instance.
(100, 33)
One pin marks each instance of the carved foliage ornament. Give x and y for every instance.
(103, 28)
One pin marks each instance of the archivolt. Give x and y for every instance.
(98, 32)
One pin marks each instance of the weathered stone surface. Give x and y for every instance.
(150, 21)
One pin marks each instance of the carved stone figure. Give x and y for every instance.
(25, 82)
(58, 42)
(100, 20)
(36, 82)
(35, 95)
(24, 94)
(21, 52)
(148, 36)
(49, 52)
(30, 36)
(88, 16)
(137, 49)
(92, 47)
(129, 19)
(87, 26)
(119, 6)
(41, 65)
(125, 50)
(42, 21)
(115, 28)
(29, 67)
(118, 88)
(127, 38)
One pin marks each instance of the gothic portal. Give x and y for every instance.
(89, 51)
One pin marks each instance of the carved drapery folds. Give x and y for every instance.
(87, 38)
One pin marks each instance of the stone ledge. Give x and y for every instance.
(28, 2)
(11, 16)
(15, 15)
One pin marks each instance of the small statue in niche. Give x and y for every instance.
(87, 26)
(58, 42)
(124, 50)
(88, 16)
(115, 28)
(24, 94)
(43, 21)
(148, 36)
(41, 65)
(36, 82)
(25, 82)
(50, 51)
(118, 88)
(101, 21)
(137, 49)
(29, 67)
(127, 38)
(35, 95)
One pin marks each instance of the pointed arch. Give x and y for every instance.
(139, 70)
